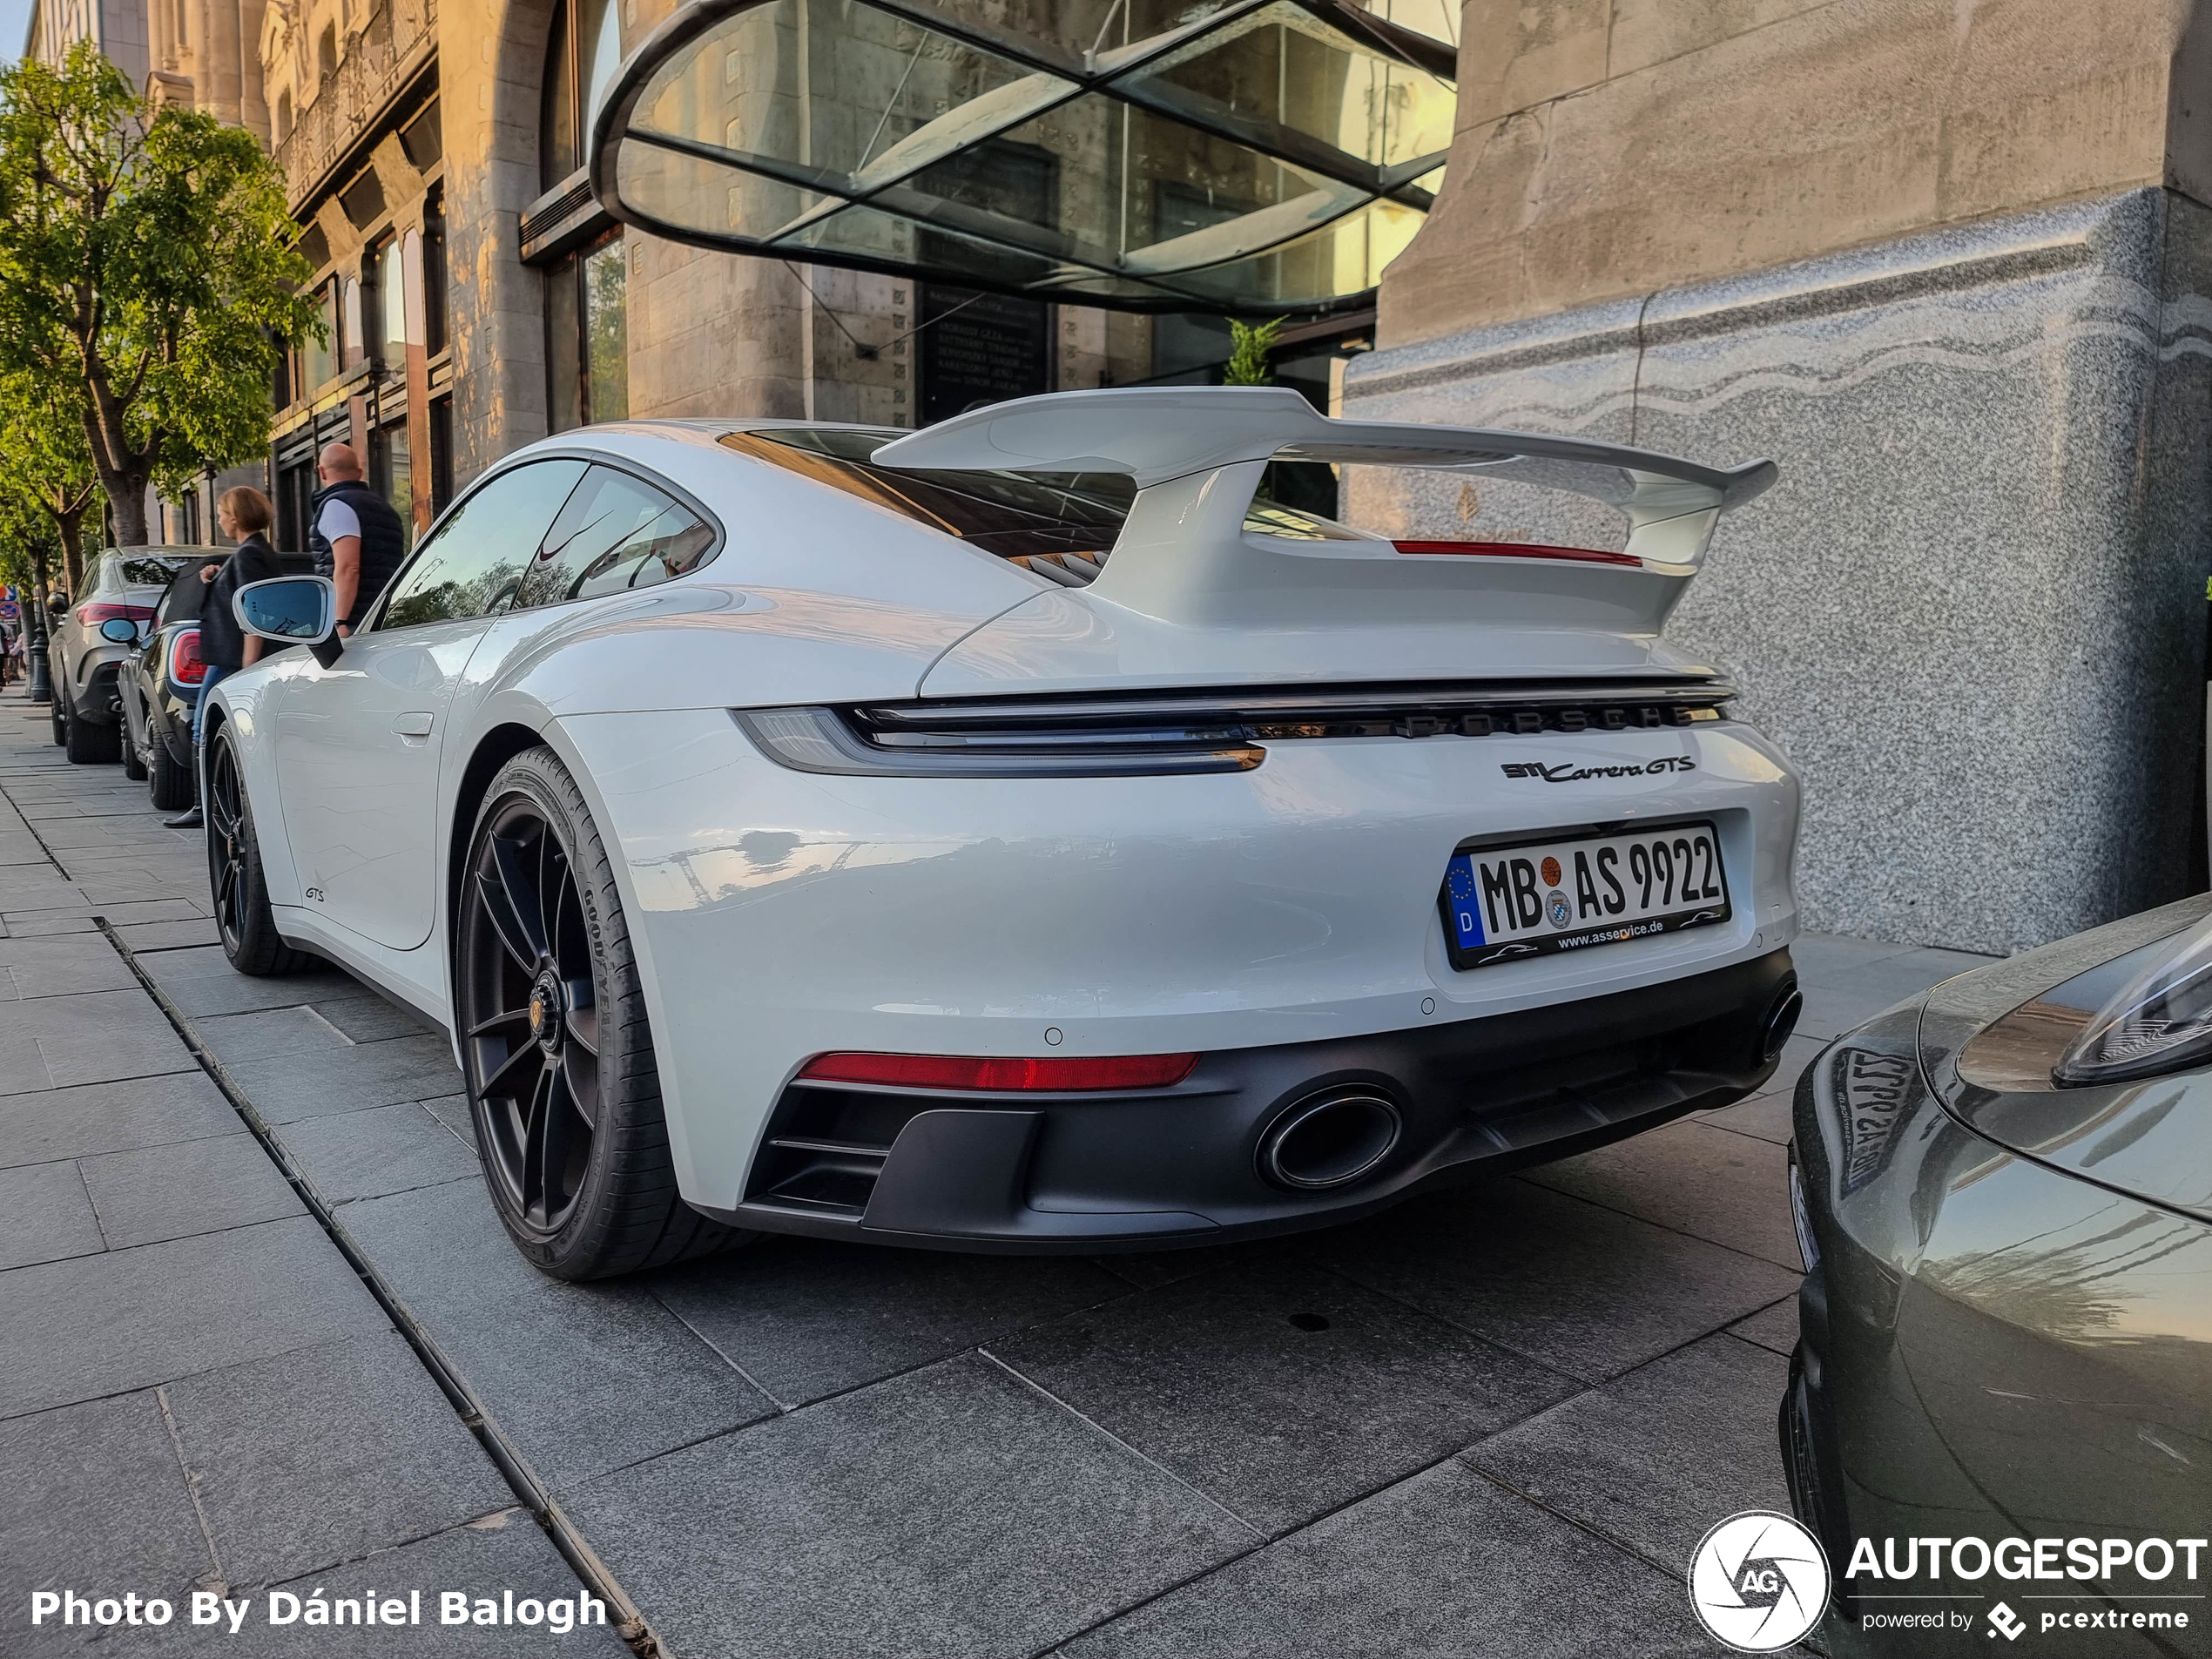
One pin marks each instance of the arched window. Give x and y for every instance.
(327, 51)
(581, 57)
(283, 116)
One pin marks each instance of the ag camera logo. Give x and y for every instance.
(1758, 1581)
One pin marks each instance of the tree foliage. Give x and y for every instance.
(145, 266)
(48, 488)
(1250, 345)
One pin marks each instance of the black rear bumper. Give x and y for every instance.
(1136, 1169)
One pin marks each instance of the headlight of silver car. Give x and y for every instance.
(2159, 1021)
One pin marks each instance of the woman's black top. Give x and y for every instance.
(222, 641)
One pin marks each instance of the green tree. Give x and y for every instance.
(48, 488)
(146, 261)
(1249, 344)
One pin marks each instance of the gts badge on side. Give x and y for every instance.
(1569, 774)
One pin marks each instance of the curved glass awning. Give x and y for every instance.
(1255, 155)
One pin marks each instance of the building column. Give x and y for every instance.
(418, 377)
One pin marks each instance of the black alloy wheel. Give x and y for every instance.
(533, 1017)
(558, 1052)
(234, 878)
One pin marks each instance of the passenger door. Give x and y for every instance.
(357, 744)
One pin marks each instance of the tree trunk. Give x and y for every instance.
(70, 525)
(126, 502)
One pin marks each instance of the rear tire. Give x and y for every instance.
(234, 878)
(92, 746)
(173, 786)
(60, 721)
(556, 1042)
(134, 762)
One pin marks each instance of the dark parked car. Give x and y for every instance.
(159, 683)
(124, 584)
(2004, 1195)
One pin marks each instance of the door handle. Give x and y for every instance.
(416, 723)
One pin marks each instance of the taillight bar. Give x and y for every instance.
(1001, 1072)
(1521, 550)
(94, 612)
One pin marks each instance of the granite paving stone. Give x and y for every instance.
(325, 1455)
(1575, 1284)
(152, 1193)
(452, 1110)
(165, 936)
(371, 1018)
(804, 1318)
(91, 1495)
(62, 967)
(269, 1034)
(45, 1216)
(46, 924)
(92, 1118)
(201, 981)
(383, 1149)
(1280, 1391)
(92, 1037)
(1765, 1117)
(1707, 1182)
(130, 1318)
(1653, 1459)
(287, 1088)
(953, 1512)
(1774, 1329)
(1149, 1269)
(584, 1377)
(1446, 1565)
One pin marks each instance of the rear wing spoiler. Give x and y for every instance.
(1158, 436)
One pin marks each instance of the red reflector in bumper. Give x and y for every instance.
(1520, 550)
(981, 1071)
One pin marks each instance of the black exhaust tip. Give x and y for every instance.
(1329, 1139)
(1781, 1020)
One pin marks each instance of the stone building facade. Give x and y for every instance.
(1951, 264)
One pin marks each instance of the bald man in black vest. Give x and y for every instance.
(354, 536)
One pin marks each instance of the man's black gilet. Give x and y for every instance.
(382, 547)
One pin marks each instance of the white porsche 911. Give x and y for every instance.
(1013, 835)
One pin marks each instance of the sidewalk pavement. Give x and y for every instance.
(197, 1392)
(1494, 1421)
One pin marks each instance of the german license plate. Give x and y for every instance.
(1504, 903)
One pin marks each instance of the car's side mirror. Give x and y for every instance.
(121, 630)
(291, 610)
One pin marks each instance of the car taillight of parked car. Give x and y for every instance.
(186, 665)
(94, 612)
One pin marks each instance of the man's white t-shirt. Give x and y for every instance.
(337, 519)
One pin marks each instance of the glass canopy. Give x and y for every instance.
(1258, 156)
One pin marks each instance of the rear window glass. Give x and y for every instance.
(143, 572)
(1061, 525)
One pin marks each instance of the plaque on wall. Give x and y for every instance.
(985, 348)
(981, 349)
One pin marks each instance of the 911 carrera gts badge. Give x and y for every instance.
(1565, 773)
